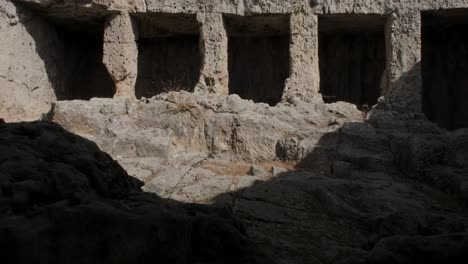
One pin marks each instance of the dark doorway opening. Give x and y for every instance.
(445, 67)
(259, 58)
(81, 74)
(352, 55)
(169, 53)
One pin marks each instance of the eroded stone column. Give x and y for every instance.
(121, 54)
(214, 76)
(403, 87)
(304, 80)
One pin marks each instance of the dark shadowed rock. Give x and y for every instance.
(408, 250)
(62, 200)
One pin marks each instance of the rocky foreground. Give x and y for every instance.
(62, 200)
(229, 181)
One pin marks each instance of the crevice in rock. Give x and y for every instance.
(192, 167)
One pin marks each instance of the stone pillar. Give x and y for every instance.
(403, 87)
(304, 80)
(214, 77)
(121, 54)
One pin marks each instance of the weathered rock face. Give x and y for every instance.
(152, 136)
(64, 200)
(26, 89)
(56, 167)
(294, 73)
(294, 173)
(328, 182)
(120, 54)
(406, 249)
(184, 124)
(372, 188)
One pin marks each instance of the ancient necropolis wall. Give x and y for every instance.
(265, 50)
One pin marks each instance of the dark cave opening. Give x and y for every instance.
(168, 54)
(445, 67)
(82, 72)
(352, 54)
(78, 71)
(259, 57)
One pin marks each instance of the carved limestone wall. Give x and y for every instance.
(41, 78)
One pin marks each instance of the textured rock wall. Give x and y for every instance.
(61, 189)
(121, 54)
(26, 88)
(297, 172)
(401, 82)
(351, 184)
(214, 49)
(304, 79)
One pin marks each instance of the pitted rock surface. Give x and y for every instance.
(64, 200)
(292, 174)
(223, 179)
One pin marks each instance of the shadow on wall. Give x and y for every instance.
(436, 85)
(72, 54)
(404, 94)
